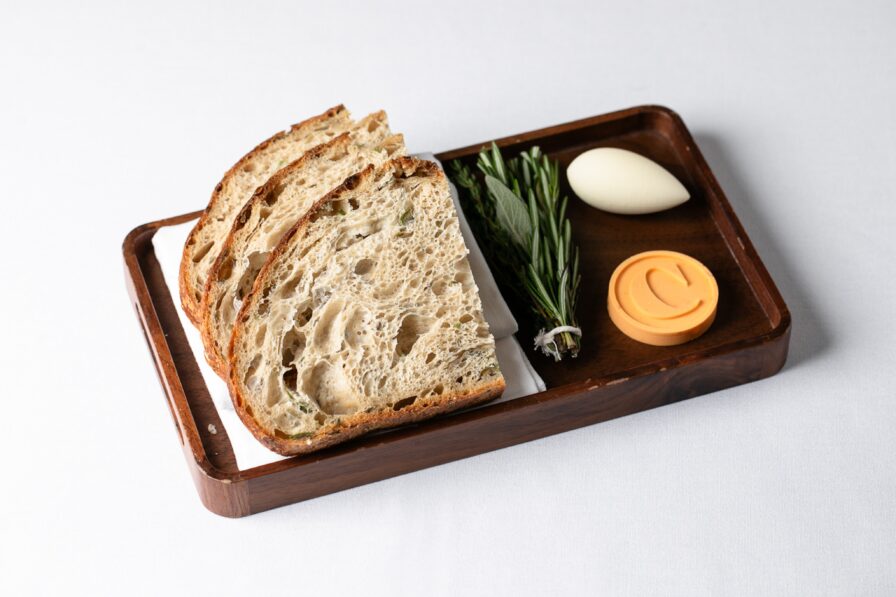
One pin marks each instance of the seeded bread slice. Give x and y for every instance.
(365, 316)
(237, 187)
(274, 208)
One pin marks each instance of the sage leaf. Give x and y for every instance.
(511, 213)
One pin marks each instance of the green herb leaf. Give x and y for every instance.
(300, 403)
(510, 211)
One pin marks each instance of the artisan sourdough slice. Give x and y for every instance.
(275, 208)
(237, 187)
(365, 316)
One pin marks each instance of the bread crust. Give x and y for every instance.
(362, 423)
(359, 423)
(188, 301)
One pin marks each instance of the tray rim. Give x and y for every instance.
(225, 492)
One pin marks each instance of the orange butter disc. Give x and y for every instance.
(662, 298)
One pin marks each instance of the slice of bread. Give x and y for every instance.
(274, 208)
(237, 186)
(365, 316)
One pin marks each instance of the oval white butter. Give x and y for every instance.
(624, 182)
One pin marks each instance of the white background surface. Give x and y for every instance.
(114, 115)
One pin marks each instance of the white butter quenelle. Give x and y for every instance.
(623, 182)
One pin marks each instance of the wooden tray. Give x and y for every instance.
(612, 377)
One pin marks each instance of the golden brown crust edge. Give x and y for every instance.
(218, 361)
(188, 301)
(360, 423)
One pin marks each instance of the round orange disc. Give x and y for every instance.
(662, 298)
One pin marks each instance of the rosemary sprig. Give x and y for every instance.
(521, 219)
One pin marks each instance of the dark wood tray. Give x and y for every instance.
(612, 377)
